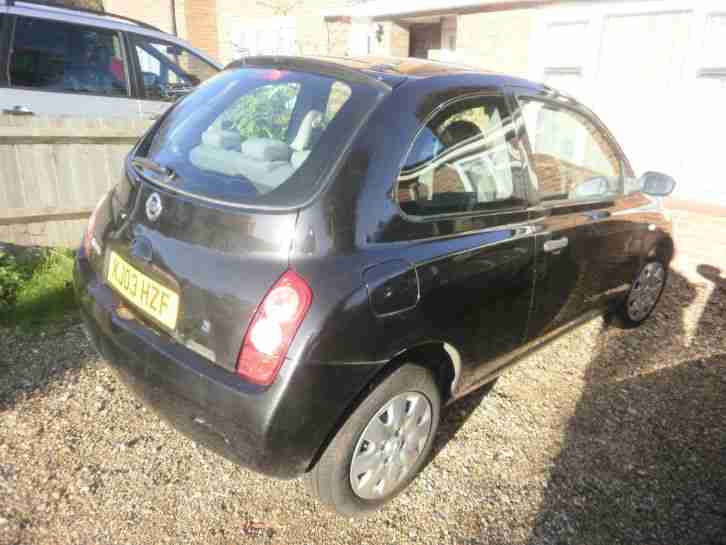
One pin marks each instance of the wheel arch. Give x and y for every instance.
(664, 248)
(441, 357)
(658, 245)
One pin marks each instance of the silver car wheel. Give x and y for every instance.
(645, 291)
(390, 445)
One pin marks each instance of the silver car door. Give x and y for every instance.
(58, 68)
(167, 72)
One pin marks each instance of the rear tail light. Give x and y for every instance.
(91, 229)
(273, 328)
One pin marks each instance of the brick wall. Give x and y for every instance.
(338, 38)
(202, 25)
(214, 25)
(181, 19)
(313, 35)
(154, 12)
(498, 41)
(398, 39)
(196, 20)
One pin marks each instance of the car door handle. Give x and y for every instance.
(18, 110)
(597, 215)
(554, 245)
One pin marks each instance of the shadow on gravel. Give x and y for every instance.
(644, 456)
(30, 363)
(714, 313)
(455, 416)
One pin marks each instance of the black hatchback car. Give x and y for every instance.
(306, 258)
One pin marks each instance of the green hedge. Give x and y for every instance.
(36, 286)
(12, 277)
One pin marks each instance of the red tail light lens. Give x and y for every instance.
(273, 328)
(91, 228)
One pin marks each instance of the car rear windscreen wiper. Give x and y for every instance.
(146, 164)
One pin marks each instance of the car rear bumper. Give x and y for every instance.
(276, 431)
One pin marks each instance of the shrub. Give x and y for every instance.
(11, 280)
(35, 286)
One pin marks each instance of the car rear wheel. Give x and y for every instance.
(382, 446)
(644, 294)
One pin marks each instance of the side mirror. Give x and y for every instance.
(657, 184)
(150, 79)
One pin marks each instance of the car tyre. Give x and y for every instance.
(644, 294)
(371, 458)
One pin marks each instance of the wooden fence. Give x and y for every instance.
(54, 170)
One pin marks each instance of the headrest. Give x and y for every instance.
(311, 122)
(229, 140)
(298, 157)
(458, 131)
(266, 149)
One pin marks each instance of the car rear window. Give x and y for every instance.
(258, 136)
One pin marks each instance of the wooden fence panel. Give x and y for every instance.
(54, 170)
(9, 171)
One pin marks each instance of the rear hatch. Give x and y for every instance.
(200, 226)
(217, 262)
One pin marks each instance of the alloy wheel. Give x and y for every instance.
(390, 445)
(644, 294)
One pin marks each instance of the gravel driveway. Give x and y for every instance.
(604, 437)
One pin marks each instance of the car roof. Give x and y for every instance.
(390, 70)
(88, 17)
(74, 11)
(399, 66)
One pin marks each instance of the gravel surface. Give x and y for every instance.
(605, 437)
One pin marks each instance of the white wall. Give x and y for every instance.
(655, 72)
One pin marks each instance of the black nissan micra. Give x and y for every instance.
(306, 258)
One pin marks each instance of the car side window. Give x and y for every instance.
(339, 95)
(571, 158)
(169, 71)
(464, 159)
(53, 56)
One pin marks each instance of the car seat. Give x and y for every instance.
(265, 162)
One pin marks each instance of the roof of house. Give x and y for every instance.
(381, 9)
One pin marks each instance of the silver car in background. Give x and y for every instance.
(75, 62)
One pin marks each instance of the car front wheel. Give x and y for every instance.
(382, 446)
(644, 294)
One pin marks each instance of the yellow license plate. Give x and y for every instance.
(151, 297)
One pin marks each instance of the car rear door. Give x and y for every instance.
(61, 68)
(587, 243)
(166, 71)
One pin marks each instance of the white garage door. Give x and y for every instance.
(655, 72)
